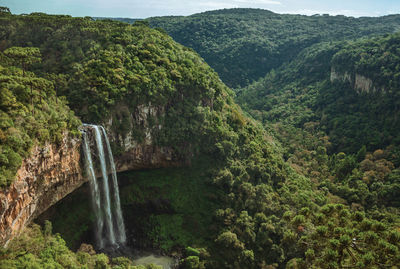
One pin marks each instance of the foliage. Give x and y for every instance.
(350, 117)
(178, 212)
(23, 56)
(30, 114)
(37, 248)
(243, 45)
(371, 119)
(137, 65)
(336, 237)
(344, 139)
(41, 249)
(72, 217)
(104, 63)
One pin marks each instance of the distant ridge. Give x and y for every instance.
(244, 44)
(127, 20)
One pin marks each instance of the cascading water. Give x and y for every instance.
(110, 229)
(106, 190)
(120, 221)
(94, 191)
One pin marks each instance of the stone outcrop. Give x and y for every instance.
(143, 154)
(346, 76)
(359, 82)
(48, 175)
(146, 157)
(363, 84)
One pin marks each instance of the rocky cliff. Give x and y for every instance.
(137, 147)
(48, 175)
(359, 82)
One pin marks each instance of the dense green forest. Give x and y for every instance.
(30, 111)
(283, 193)
(302, 93)
(243, 45)
(343, 137)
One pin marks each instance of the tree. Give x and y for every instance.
(23, 56)
(5, 10)
(338, 238)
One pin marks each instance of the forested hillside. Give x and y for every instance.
(335, 108)
(243, 45)
(351, 87)
(238, 203)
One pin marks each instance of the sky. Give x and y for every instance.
(149, 8)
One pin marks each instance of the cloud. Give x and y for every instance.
(216, 5)
(345, 12)
(265, 2)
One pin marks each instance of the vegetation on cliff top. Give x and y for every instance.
(101, 63)
(137, 65)
(30, 112)
(301, 92)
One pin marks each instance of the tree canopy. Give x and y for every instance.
(243, 45)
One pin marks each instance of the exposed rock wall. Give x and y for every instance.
(48, 175)
(341, 76)
(141, 153)
(359, 82)
(363, 84)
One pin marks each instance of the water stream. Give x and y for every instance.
(110, 228)
(118, 213)
(94, 188)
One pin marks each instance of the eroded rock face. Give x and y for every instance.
(147, 157)
(143, 153)
(363, 84)
(48, 175)
(340, 76)
(359, 82)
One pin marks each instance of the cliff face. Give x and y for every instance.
(48, 175)
(359, 82)
(53, 171)
(138, 149)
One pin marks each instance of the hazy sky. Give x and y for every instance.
(147, 8)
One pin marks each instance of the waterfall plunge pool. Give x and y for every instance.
(149, 258)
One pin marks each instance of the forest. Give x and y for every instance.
(296, 166)
(243, 45)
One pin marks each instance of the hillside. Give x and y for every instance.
(235, 203)
(335, 110)
(351, 87)
(243, 45)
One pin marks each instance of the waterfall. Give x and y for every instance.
(110, 229)
(106, 190)
(120, 221)
(94, 191)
